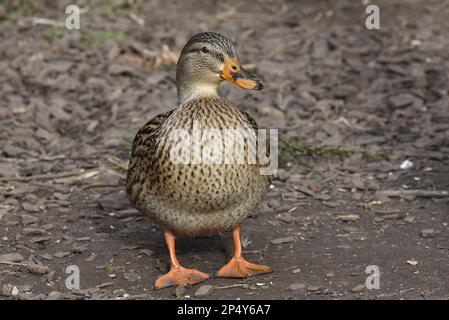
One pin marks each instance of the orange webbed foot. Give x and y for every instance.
(240, 268)
(180, 276)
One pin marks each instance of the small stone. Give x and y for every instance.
(47, 256)
(91, 257)
(330, 275)
(30, 207)
(391, 216)
(401, 100)
(62, 254)
(131, 247)
(297, 270)
(180, 291)
(54, 295)
(24, 288)
(119, 292)
(146, 252)
(358, 288)
(6, 290)
(282, 175)
(323, 197)
(348, 217)
(288, 218)
(77, 249)
(51, 276)
(105, 285)
(48, 227)
(29, 219)
(282, 240)
(409, 219)
(204, 291)
(296, 286)
(428, 233)
(25, 296)
(131, 276)
(271, 112)
(38, 269)
(350, 229)
(40, 239)
(14, 291)
(331, 204)
(83, 239)
(11, 257)
(412, 262)
(407, 164)
(30, 231)
(313, 288)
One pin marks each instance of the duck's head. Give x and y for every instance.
(206, 60)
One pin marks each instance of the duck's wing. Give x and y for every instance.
(147, 134)
(251, 121)
(254, 125)
(142, 149)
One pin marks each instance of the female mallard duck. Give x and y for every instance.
(194, 198)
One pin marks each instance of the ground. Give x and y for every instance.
(70, 99)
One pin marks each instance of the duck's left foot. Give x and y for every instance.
(240, 268)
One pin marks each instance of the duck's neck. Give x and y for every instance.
(194, 81)
(195, 90)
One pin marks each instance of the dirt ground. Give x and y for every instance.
(70, 99)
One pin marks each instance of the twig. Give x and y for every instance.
(48, 176)
(46, 158)
(31, 267)
(137, 19)
(15, 263)
(415, 193)
(135, 297)
(47, 22)
(237, 285)
(116, 161)
(99, 185)
(318, 17)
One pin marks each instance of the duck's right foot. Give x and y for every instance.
(180, 276)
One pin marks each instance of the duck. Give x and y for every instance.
(189, 197)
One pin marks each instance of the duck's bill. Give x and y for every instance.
(234, 73)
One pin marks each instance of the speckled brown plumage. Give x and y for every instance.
(193, 199)
(196, 170)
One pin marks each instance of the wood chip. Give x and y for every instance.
(348, 217)
(282, 240)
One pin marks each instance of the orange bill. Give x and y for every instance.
(233, 72)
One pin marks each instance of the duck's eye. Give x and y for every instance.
(204, 50)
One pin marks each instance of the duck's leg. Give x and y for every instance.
(177, 274)
(238, 267)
